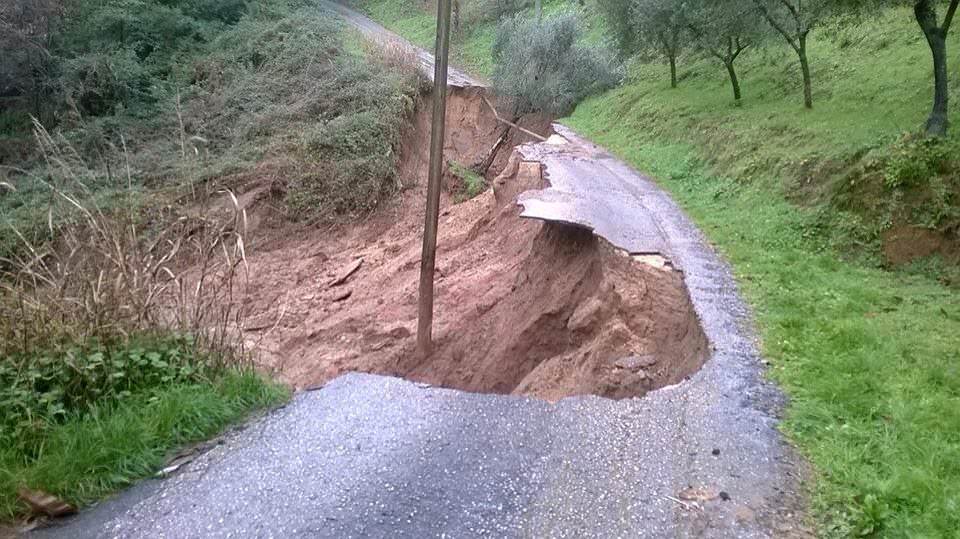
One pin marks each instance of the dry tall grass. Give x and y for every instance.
(105, 277)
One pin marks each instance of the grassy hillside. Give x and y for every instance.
(853, 160)
(869, 358)
(799, 202)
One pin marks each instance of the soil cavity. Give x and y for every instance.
(523, 307)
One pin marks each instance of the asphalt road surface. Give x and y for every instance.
(370, 456)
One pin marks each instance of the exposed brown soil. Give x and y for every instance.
(906, 243)
(522, 307)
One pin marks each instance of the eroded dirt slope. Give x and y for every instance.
(521, 306)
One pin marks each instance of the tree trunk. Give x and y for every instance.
(937, 123)
(456, 16)
(926, 15)
(673, 71)
(805, 68)
(539, 9)
(733, 80)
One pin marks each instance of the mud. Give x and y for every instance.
(905, 243)
(522, 307)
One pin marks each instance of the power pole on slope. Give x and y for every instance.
(428, 260)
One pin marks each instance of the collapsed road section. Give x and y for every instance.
(543, 308)
(377, 456)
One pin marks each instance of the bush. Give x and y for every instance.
(41, 389)
(544, 67)
(289, 86)
(472, 183)
(914, 161)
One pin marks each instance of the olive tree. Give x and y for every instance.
(660, 26)
(793, 20)
(618, 14)
(544, 67)
(724, 29)
(936, 34)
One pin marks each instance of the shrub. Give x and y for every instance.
(545, 68)
(914, 160)
(44, 387)
(290, 86)
(101, 278)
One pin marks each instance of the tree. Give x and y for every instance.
(660, 26)
(543, 66)
(793, 20)
(26, 31)
(723, 28)
(618, 14)
(936, 34)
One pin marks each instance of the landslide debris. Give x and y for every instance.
(522, 307)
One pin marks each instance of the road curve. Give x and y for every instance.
(370, 456)
(375, 32)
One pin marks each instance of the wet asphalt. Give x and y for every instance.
(371, 456)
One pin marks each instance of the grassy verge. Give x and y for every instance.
(870, 359)
(112, 444)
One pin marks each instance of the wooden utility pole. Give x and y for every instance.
(428, 260)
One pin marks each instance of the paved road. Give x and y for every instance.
(369, 456)
(374, 31)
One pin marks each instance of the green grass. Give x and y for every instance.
(473, 183)
(870, 359)
(872, 84)
(112, 445)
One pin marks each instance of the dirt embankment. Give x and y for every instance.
(522, 307)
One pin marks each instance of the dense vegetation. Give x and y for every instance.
(803, 203)
(192, 91)
(544, 67)
(122, 124)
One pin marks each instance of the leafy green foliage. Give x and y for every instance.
(473, 183)
(41, 390)
(114, 443)
(122, 52)
(620, 20)
(913, 161)
(544, 67)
